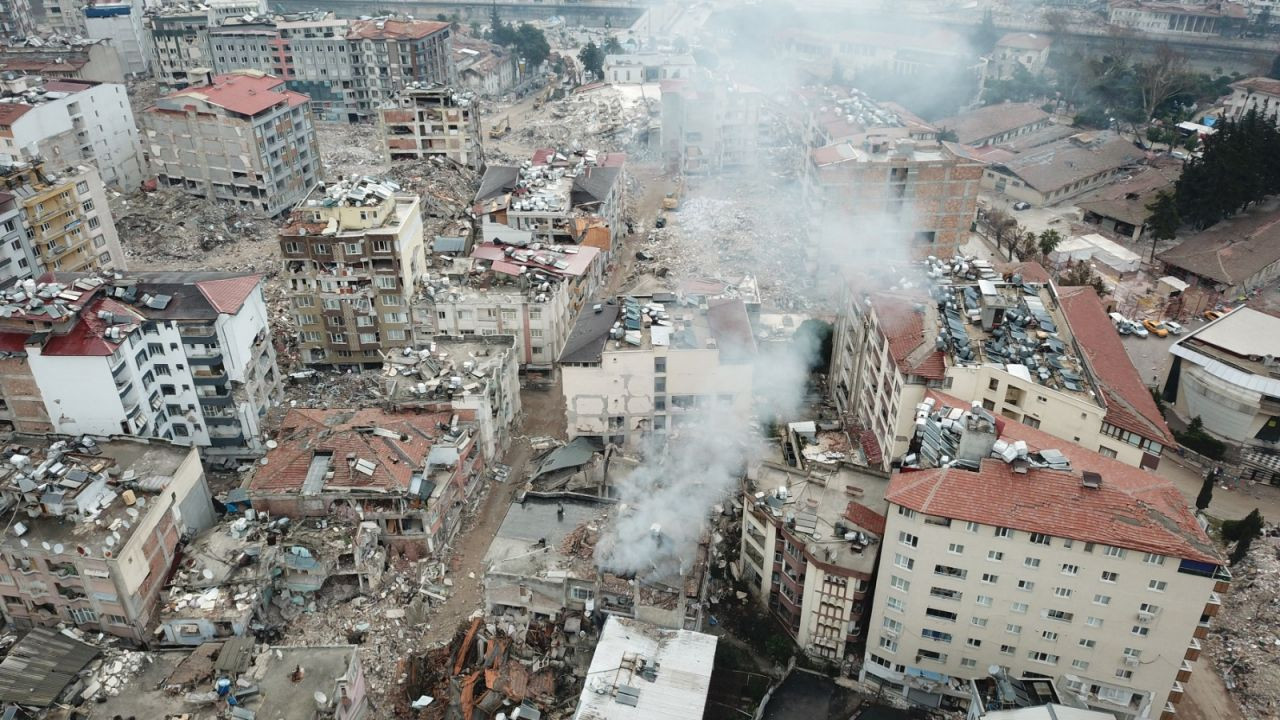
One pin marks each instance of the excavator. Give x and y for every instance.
(500, 128)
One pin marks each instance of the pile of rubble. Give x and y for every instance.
(167, 225)
(350, 148)
(1245, 640)
(603, 117)
(113, 672)
(728, 235)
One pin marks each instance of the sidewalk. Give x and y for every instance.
(1226, 504)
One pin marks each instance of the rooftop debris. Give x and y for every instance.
(1246, 632)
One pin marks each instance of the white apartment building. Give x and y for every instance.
(810, 539)
(1259, 93)
(239, 138)
(1025, 350)
(532, 295)
(68, 122)
(185, 357)
(353, 257)
(1094, 574)
(122, 25)
(632, 367)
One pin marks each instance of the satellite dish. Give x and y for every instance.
(272, 444)
(142, 502)
(131, 512)
(208, 574)
(46, 545)
(58, 548)
(25, 543)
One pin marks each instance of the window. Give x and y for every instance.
(1149, 608)
(580, 593)
(995, 555)
(989, 578)
(1124, 674)
(1110, 577)
(903, 561)
(1049, 635)
(898, 583)
(889, 644)
(955, 549)
(896, 604)
(1105, 451)
(1060, 615)
(945, 594)
(971, 527)
(1026, 585)
(1003, 532)
(1062, 592)
(968, 662)
(1157, 585)
(1043, 657)
(936, 635)
(1087, 644)
(1039, 538)
(892, 625)
(941, 614)
(660, 366)
(1008, 649)
(908, 539)
(993, 384)
(1113, 551)
(1093, 622)
(391, 300)
(1152, 559)
(949, 571)
(1134, 653)
(1080, 664)
(1069, 569)
(978, 621)
(931, 655)
(1101, 599)
(983, 600)
(973, 642)
(1139, 630)
(1019, 608)
(1031, 562)
(1013, 629)
(385, 282)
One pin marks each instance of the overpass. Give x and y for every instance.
(591, 13)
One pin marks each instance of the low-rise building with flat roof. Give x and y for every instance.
(642, 672)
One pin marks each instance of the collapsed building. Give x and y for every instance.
(514, 286)
(96, 527)
(182, 356)
(549, 193)
(353, 254)
(1022, 348)
(421, 121)
(411, 474)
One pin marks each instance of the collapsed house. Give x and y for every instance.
(411, 475)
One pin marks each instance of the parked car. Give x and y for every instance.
(1021, 205)
(1173, 327)
(1138, 330)
(1155, 327)
(1212, 314)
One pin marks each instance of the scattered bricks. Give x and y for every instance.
(1244, 640)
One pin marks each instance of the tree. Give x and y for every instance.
(985, 35)
(1242, 533)
(612, 46)
(532, 45)
(1163, 77)
(948, 135)
(1236, 169)
(592, 59)
(1164, 220)
(1049, 241)
(1206, 492)
(1003, 227)
(1078, 273)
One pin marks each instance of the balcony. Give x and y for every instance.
(197, 333)
(204, 358)
(217, 376)
(222, 421)
(216, 400)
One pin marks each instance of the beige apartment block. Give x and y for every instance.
(425, 120)
(353, 256)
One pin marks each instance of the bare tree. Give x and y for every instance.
(1003, 227)
(1163, 77)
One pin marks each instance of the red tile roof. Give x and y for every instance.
(870, 447)
(903, 326)
(12, 342)
(865, 518)
(1129, 403)
(9, 112)
(394, 29)
(244, 93)
(228, 295)
(88, 337)
(67, 86)
(348, 432)
(1031, 272)
(1135, 508)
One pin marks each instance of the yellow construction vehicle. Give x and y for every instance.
(500, 128)
(672, 200)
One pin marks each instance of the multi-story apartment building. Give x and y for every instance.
(239, 138)
(890, 172)
(551, 193)
(1020, 347)
(63, 17)
(675, 358)
(99, 529)
(122, 25)
(510, 290)
(424, 121)
(414, 474)
(810, 539)
(178, 37)
(1028, 51)
(59, 222)
(16, 20)
(65, 122)
(353, 256)
(348, 67)
(95, 60)
(1071, 566)
(484, 68)
(1258, 93)
(709, 125)
(184, 357)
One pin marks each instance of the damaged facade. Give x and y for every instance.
(239, 138)
(709, 124)
(184, 357)
(353, 254)
(412, 474)
(1015, 344)
(637, 366)
(96, 529)
(1109, 594)
(420, 121)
